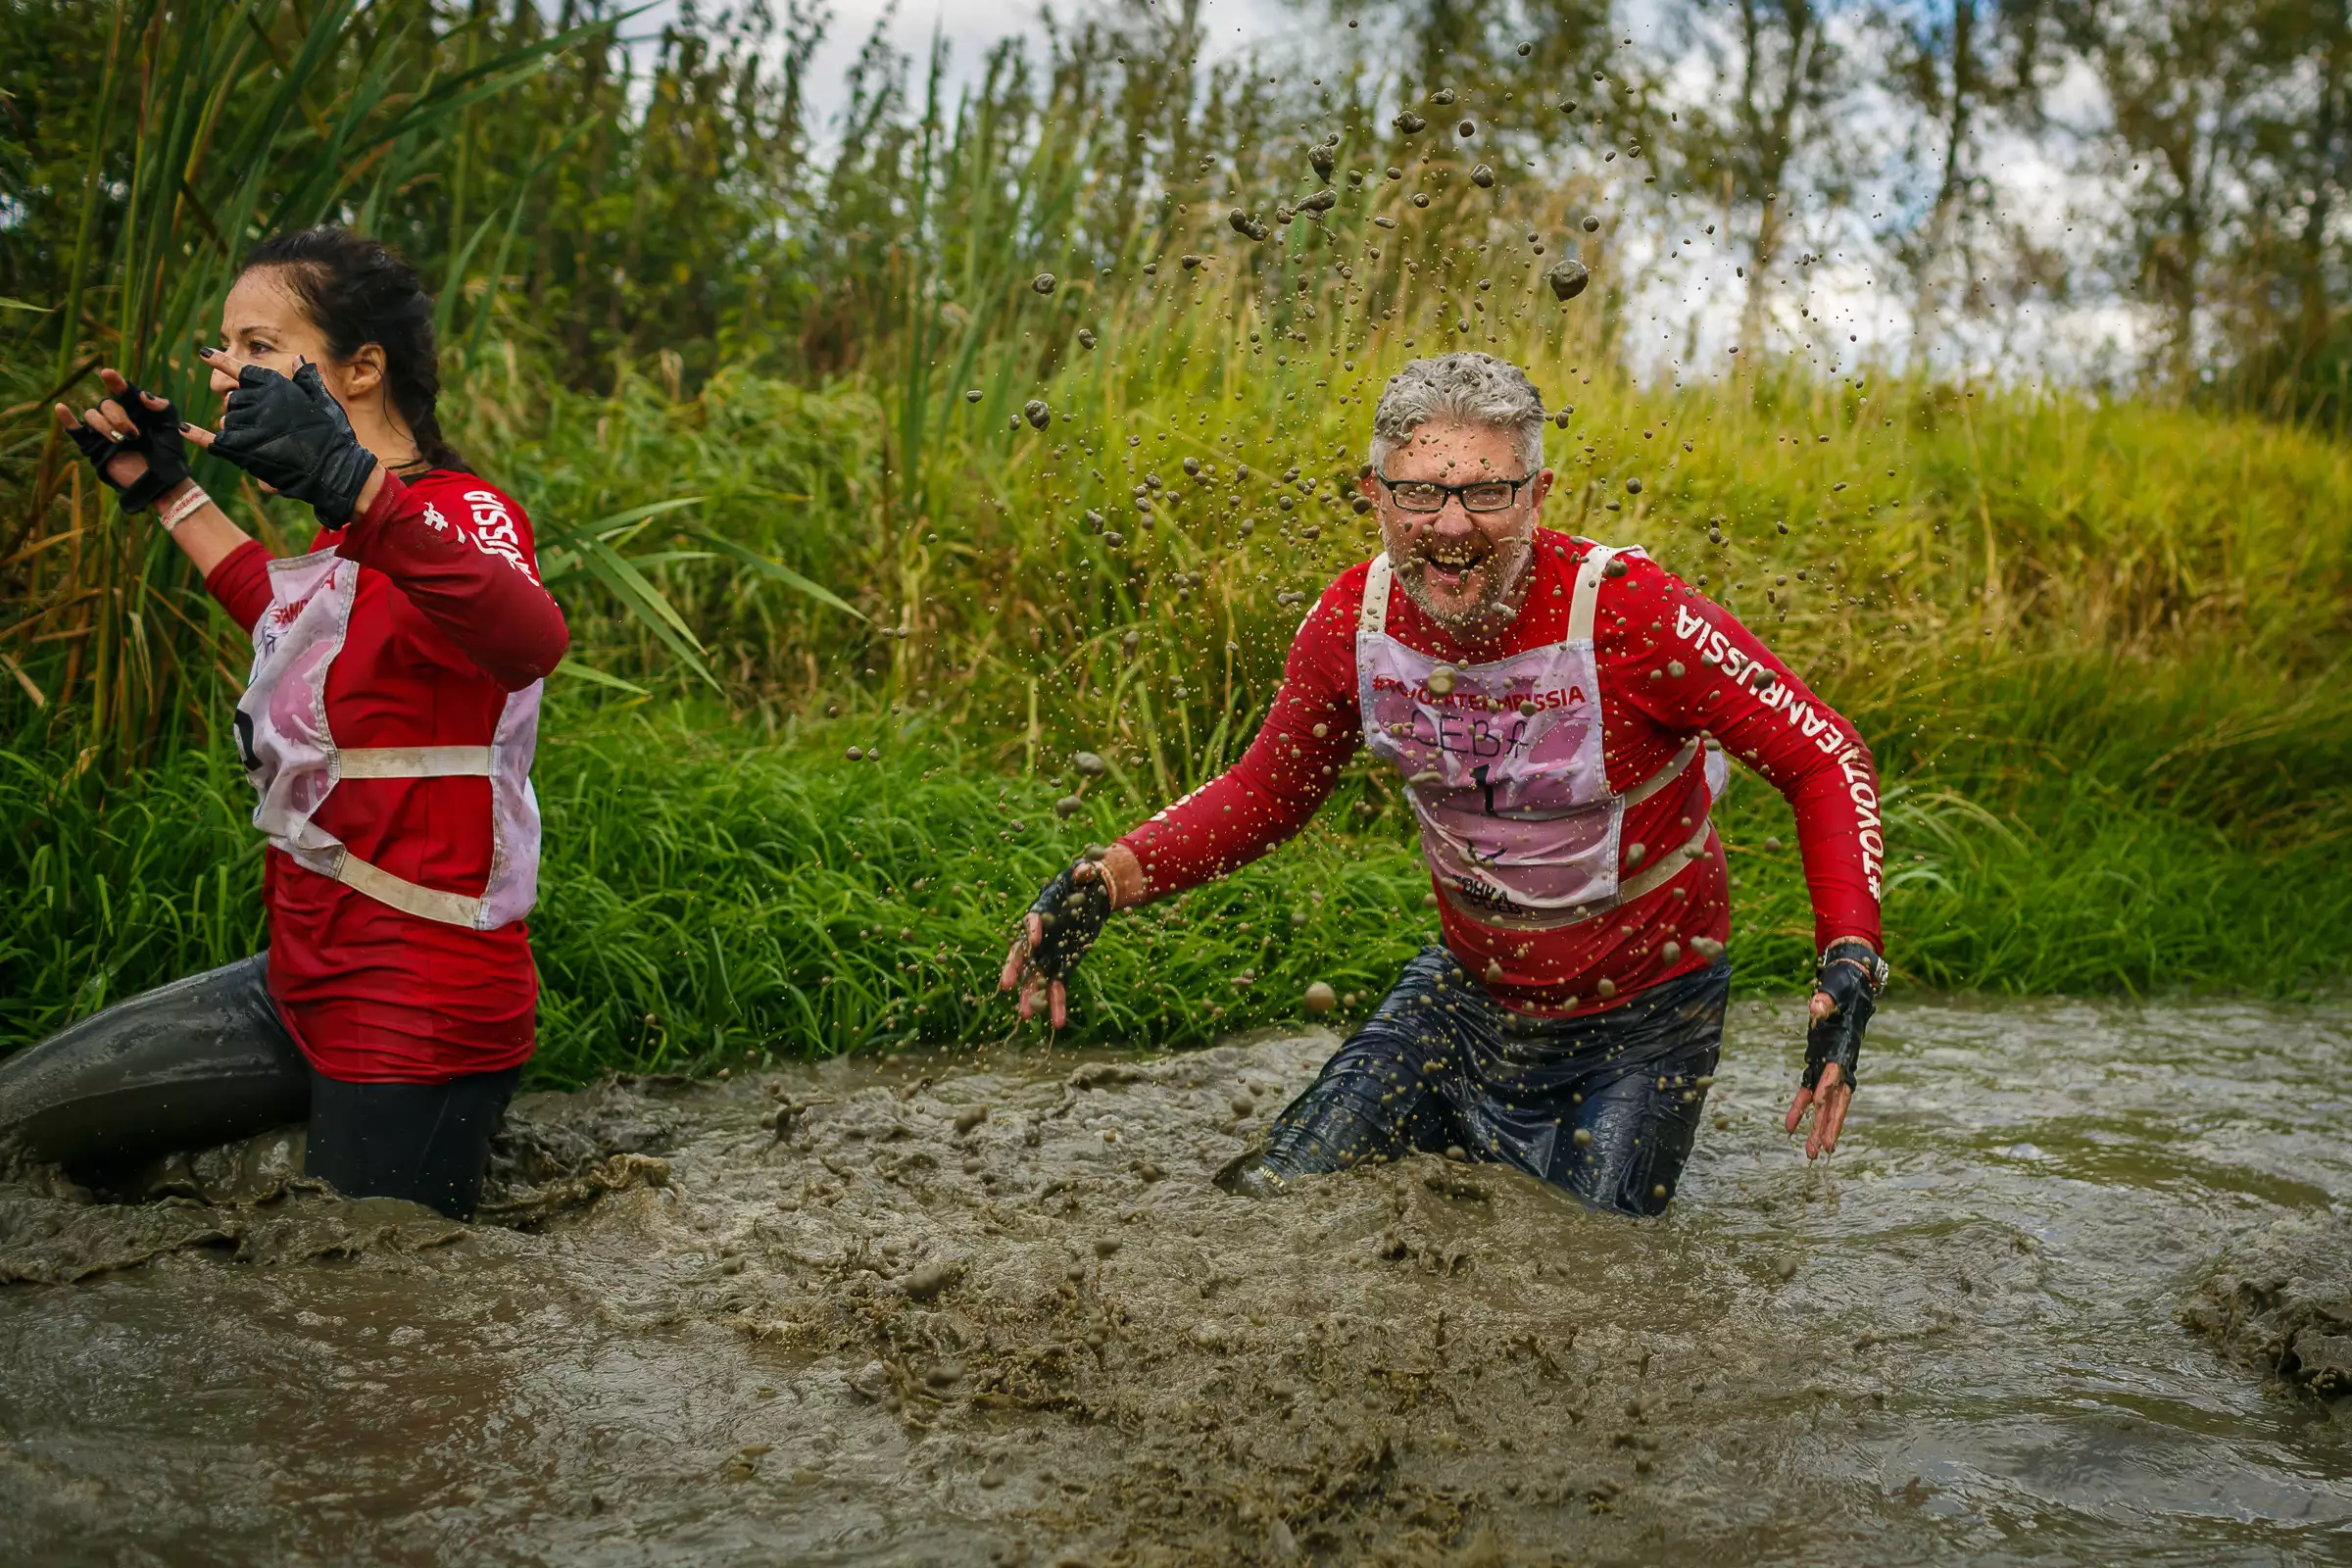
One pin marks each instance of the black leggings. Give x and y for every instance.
(206, 1059)
(1605, 1104)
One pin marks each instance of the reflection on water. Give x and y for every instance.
(898, 1331)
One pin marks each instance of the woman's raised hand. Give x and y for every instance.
(133, 439)
(291, 434)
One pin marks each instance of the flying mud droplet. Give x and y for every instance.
(1483, 177)
(1322, 201)
(1591, 225)
(1037, 413)
(1676, 668)
(1772, 846)
(1441, 680)
(1493, 970)
(1067, 806)
(1192, 467)
(1420, 199)
(1411, 123)
(1616, 566)
(1567, 278)
(1607, 988)
(1442, 97)
(1321, 158)
(1706, 947)
(1567, 106)
(1526, 49)
(969, 1117)
(1467, 129)
(972, 395)
(1785, 1265)
(1582, 1138)
(1320, 997)
(1384, 221)
(1086, 337)
(1190, 260)
(856, 753)
(1090, 763)
(1043, 282)
(1247, 224)
(1672, 953)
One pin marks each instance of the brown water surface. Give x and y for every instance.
(873, 1337)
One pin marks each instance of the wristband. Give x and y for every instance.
(184, 508)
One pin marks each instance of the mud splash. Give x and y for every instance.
(992, 1308)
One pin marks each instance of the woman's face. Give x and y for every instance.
(262, 322)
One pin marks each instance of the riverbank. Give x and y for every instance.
(712, 895)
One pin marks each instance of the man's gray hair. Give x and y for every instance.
(1475, 389)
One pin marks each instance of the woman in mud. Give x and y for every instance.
(1549, 704)
(388, 726)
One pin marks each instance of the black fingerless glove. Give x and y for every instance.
(292, 435)
(1853, 976)
(155, 435)
(1073, 913)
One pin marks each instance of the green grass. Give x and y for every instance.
(714, 896)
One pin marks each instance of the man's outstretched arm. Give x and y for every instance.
(1688, 664)
(1265, 797)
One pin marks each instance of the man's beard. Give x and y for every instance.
(1497, 576)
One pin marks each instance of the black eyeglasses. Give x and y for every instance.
(1480, 495)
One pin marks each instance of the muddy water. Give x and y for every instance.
(895, 1330)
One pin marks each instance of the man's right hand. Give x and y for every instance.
(1063, 922)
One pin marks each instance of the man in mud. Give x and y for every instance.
(1555, 709)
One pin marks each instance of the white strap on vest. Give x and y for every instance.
(412, 761)
(426, 904)
(1587, 593)
(409, 761)
(1659, 872)
(1374, 621)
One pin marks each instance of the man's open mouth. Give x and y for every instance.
(1449, 565)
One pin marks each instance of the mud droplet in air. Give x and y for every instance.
(1468, 128)
(1320, 997)
(856, 753)
(1567, 278)
(1441, 680)
(1091, 764)
(1037, 413)
(1706, 947)
(1086, 337)
(1483, 177)
(1591, 225)
(1582, 1138)
(1411, 123)
(1067, 806)
(1321, 158)
(1043, 282)
(972, 395)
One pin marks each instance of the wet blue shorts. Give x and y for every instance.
(1442, 1064)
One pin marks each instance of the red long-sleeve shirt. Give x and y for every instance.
(449, 617)
(1672, 663)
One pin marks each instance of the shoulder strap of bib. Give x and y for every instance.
(1373, 620)
(1587, 593)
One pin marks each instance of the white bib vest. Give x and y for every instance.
(1504, 770)
(291, 757)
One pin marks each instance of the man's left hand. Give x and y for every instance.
(1850, 976)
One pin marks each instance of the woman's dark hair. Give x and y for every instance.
(358, 291)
